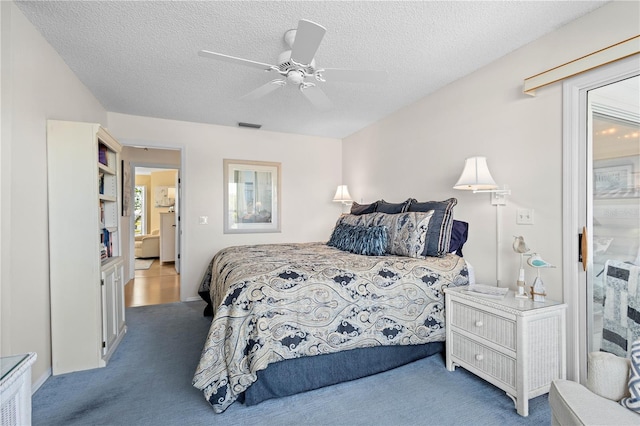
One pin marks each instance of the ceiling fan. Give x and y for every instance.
(297, 66)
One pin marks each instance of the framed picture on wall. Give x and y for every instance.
(164, 196)
(251, 196)
(611, 178)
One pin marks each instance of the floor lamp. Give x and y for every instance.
(477, 178)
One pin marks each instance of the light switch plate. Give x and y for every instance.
(203, 220)
(524, 217)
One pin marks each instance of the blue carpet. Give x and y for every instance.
(148, 382)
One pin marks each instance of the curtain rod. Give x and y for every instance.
(593, 60)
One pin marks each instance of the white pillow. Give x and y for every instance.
(608, 375)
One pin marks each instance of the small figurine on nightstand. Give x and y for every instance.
(520, 247)
(538, 292)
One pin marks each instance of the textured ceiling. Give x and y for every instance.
(142, 58)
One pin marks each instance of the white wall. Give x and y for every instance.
(310, 166)
(419, 151)
(36, 85)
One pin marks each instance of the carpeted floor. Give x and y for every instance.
(148, 382)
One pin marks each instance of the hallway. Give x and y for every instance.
(154, 286)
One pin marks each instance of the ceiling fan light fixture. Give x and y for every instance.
(295, 76)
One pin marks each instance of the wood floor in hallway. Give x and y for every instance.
(154, 286)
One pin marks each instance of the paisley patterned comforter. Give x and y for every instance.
(283, 301)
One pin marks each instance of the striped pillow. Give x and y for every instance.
(439, 234)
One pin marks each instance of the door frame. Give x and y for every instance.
(575, 116)
(143, 164)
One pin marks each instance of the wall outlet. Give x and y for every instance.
(524, 217)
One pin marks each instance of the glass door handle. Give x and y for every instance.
(584, 247)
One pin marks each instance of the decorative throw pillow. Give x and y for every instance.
(352, 219)
(410, 233)
(392, 208)
(368, 241)
(608, 375)
(459, 234)
(439, 234)
(389, 222)
(359, 209)
(633, 402)
(407, 232)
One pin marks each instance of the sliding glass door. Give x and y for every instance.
(613, 215)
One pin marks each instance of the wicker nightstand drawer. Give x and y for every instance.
(491, 327)
(498, 366)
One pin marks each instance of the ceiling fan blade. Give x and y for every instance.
(354, 76)
(234, 60)
(308, 38)
(317, 97)
(263, 90)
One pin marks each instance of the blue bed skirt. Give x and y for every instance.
(298, 375)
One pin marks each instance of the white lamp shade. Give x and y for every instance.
(342, 194)
(475, 175)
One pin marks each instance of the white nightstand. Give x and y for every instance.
(516, 344)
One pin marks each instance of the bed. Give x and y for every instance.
(295, 317)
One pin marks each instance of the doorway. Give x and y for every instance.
(600, 199)
(154, 229)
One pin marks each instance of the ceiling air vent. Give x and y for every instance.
(249, 125)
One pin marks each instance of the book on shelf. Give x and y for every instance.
(101, 214)
(102, 155)
(487, 291)
(107, 241)
(101, 183)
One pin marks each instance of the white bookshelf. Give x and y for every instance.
(86, 267)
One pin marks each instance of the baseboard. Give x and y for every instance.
(36, 385)
(193, 299)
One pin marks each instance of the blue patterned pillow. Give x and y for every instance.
(407, 232)
(353, 219)
(368, 241)
(633, 402)
(410, 235)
